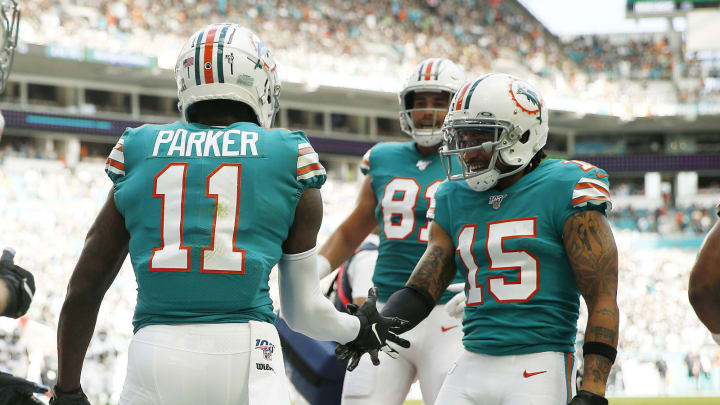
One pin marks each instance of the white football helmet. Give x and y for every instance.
(497, 110)
(9, 23)
(433, 75)
(228, 62)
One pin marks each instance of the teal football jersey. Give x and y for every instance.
(520, 287)
(207, 210)
(404, 181)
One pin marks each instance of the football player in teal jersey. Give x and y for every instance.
(205, 209)
(529, 236)
(400, 181)
(704, 287)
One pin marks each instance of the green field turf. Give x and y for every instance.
(646, 401)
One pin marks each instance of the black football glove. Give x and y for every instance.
(375, 331)
(17, 391)
(588, 398)
(20, 283)
(76, 397)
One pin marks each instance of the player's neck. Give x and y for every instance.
(427, 150)
(506, 182)
(218, 121)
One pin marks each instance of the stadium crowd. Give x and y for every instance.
(367, 44)
(46, 209)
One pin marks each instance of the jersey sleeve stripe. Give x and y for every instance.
(308, 159)
(117, 156)
(595, 182)
(582, 186)
(590, 191)
(308, 168)
(304, 145)
(114, 170)
(305, 151)
(319, 172)
(116, 164)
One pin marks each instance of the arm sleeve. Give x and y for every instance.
(310, 172)
(303, 306)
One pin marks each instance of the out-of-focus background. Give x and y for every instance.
(632, 86)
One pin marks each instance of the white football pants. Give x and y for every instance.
(434, 345)
(219, 364)
(546, 378)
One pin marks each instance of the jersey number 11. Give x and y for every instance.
(222, 256)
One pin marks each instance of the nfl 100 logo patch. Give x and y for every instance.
(496, 200)
(266, 347)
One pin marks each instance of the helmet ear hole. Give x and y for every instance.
(409, 99)
(525, 137)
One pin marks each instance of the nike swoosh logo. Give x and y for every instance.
(376, 333)
(526, 374)
(444, 329)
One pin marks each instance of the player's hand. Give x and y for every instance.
(20, 281)
(456, 306)
(76, 397)
(588, 398)
(375, 331)
(17, 391)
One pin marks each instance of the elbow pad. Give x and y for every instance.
(303, 306)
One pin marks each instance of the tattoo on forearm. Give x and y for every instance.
(434, 272)
(601, 333)
(597, 368)
(592, 252)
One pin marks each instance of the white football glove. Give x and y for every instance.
(456, 306)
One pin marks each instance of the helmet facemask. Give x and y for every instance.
(10, 16)
(424, 133)
(464, 138)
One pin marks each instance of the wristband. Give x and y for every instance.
(602, 349)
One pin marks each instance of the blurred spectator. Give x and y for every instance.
(369, 43)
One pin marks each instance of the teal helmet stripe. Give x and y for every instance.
(420, 71)
(219, 59)
(198, 62)
(472, 89)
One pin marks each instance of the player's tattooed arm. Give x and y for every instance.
(106, 247)
(436, 268)
(592, 253)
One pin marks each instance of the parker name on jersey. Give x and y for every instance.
(208, 209)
